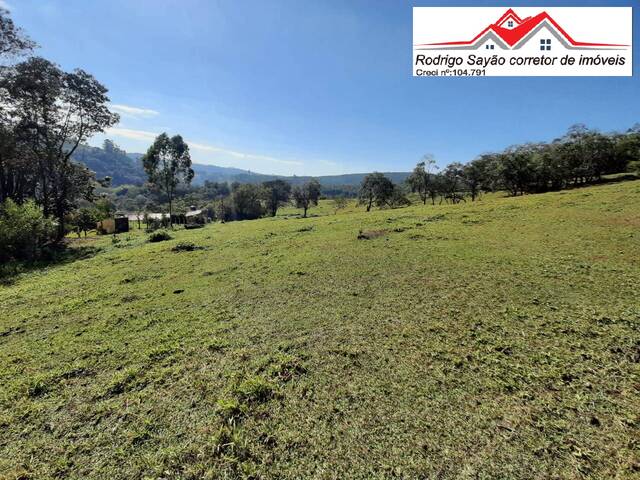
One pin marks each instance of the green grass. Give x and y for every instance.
(495, 339)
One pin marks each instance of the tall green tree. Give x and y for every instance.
(306, 195)
(517, 168)
(245, 201)
(473, 174)
(83, 220)
(375, 188)
(452, 183)
(420, 178)
(275, 193)
(51, 113)
(167, 163)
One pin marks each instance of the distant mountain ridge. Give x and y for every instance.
(126, 169)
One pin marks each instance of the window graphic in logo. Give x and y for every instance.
(527, 42)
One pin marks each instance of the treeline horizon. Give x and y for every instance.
(581, 156)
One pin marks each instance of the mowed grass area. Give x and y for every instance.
(495, 339)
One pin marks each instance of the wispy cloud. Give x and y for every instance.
(246, 156)
(146, 135)
(133, 134)
(4, 4)
(129, 111)
(327, 162)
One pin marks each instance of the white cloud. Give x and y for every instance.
(133, 134)
(146, 135)
(4, 4)
(246, 156)
(327, 162)
(129, 111)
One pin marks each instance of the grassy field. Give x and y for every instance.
(495, 339)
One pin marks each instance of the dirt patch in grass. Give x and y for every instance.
(186, 247)
(371, 234)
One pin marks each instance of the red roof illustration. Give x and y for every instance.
(511, 36)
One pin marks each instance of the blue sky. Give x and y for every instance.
(306, 87)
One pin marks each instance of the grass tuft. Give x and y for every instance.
(255, 389)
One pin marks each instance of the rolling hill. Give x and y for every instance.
(125, 168)
(493, 339)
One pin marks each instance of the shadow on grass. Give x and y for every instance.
(53, 255)
(619, 178)
(605, 180)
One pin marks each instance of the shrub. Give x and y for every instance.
(159, 236)
(24, 230)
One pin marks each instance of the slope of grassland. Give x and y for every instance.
(495, 339)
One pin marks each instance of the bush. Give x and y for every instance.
(24, 230)
(159, 236)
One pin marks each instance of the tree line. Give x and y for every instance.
(243, 201)
(167, 163)
(580, 157)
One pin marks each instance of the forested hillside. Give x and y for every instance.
(111, 161)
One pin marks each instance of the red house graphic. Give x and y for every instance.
(510, 32)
